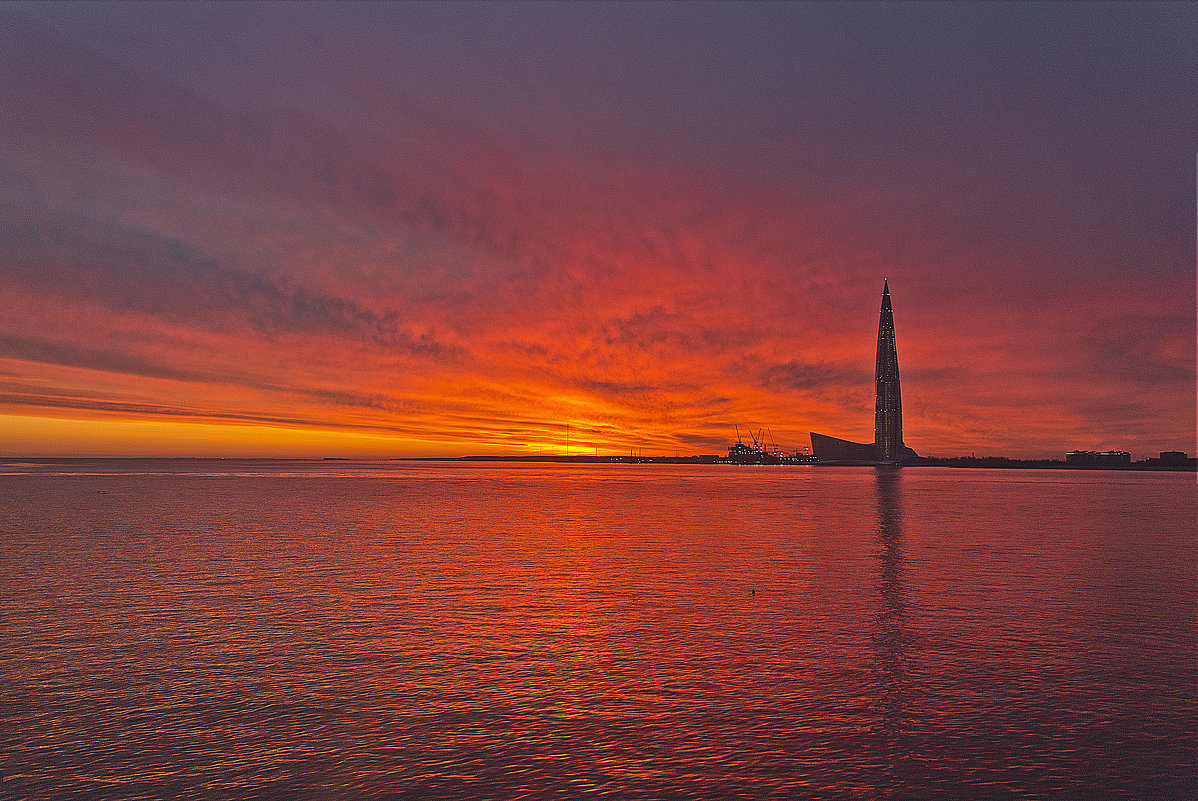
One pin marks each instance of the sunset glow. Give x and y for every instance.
(476, 225)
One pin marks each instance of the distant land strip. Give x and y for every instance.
(1190, 465)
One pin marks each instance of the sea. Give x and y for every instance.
(194, 629)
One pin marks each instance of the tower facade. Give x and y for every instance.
(887, 447)
(888, 413)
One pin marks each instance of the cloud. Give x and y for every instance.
(474, 224)
(130, 268)
(814, 377)
(69, 354)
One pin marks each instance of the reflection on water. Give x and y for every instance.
(224, 630)
(890, 634)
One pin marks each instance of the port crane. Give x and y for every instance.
(762, 450)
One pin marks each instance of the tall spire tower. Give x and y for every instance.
(888, 416)
(887, 447)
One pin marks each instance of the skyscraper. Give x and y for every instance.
(888, 414)
(887, 447)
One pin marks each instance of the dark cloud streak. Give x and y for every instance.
(133, 269)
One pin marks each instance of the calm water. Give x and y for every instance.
(313, 630)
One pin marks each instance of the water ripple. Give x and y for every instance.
(425, 631)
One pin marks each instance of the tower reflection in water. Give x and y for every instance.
(890, 634)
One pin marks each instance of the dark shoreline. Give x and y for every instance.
(963, 462)
(988, 462)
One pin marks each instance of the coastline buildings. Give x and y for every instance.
(1102, 458)
(887, 447)
(757, 453)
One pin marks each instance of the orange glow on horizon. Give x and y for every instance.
(433, 271)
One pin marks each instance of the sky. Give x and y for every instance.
(381, 230)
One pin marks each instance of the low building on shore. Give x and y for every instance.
(1097, 458)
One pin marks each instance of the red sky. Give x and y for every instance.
(400, 230)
